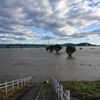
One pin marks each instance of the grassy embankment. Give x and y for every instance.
(79, 90)
(83, 90)
(4, 96)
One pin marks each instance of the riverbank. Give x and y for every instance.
(79, 90)
(83, 90)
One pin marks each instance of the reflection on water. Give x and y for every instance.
(84, 65)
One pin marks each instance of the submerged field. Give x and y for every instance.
(39, 63)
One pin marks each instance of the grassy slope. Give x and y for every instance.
(83, 90)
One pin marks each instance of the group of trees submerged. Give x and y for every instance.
(69, 49)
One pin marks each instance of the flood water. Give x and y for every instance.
(39, 63)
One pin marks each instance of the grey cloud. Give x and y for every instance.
(87, 33)
(84, 15)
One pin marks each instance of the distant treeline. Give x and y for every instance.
(41, 45)
(21, 46)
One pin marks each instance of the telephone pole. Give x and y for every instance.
(48, 42)
(86, 42)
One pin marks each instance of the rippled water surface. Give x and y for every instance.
(16, 63)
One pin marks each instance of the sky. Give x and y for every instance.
(56, 21)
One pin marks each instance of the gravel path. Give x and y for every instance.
(37, 91)
(47, 93)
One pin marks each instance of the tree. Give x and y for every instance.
(57, 48)
(51, 48)
(47, 48)
(70, 50)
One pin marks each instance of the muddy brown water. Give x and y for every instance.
(39, 63)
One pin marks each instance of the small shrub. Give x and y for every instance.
(80, 48)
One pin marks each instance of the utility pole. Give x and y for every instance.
(86, 42)
(48, 42)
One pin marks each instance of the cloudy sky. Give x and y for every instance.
(59, 21)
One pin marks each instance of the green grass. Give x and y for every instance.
(83, 90)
